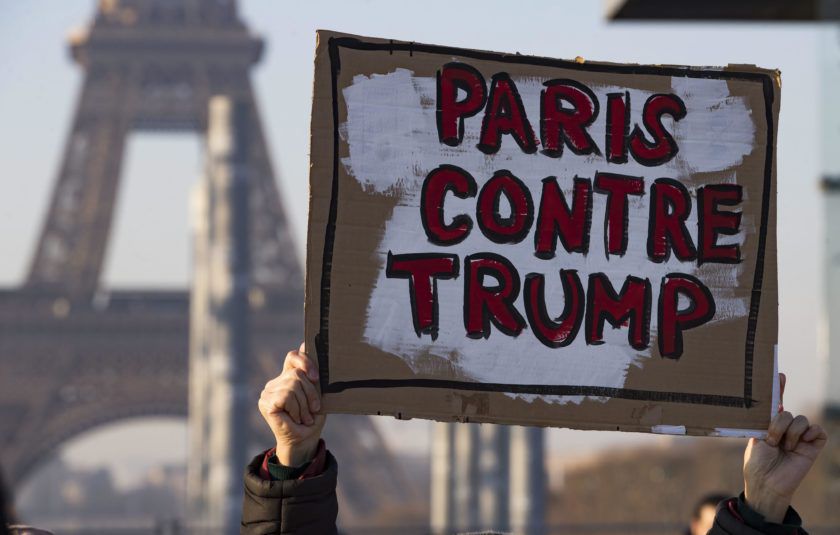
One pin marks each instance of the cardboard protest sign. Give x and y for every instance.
(513, 239)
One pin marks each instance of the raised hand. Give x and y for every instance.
(775, 467)
(291, 404)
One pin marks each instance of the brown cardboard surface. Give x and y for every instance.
(724, 377)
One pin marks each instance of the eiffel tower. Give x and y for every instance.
(75, 355)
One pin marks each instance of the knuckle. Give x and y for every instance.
(290, 358)
(785, 418)
(265, 397)
(289, 380)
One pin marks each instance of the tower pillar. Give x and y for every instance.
(219, 407)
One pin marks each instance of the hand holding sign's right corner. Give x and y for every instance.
(775, 467)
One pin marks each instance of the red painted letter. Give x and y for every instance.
(559, 125)
(511, 229)
(423, 271)
(438, 182)
(670, 205)
(561, 331)
(451, 112)
(617, 188)
(484, 304)
(663, 147)
(556, 219)
(672, 321)
(631, 304)
(712, 223)
(505, 114)
(618, 126)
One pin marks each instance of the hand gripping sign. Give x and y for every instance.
(512, 239)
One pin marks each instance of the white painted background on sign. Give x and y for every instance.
(393, 144)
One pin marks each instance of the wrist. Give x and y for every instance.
(771, 506)
(298, 454)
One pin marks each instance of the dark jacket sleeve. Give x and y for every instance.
(728, 521)
(290, 507)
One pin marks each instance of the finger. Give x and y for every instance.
(295, 428)
(312, 366)
(279, 383)
(264, 406)
(301, 361)
(312, 396)
(782, 382)
(293, 359)
(303, 403)
(778, 426)
(290, 405)
(798, 426)
(815, 433)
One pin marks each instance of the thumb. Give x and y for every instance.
(782, 383)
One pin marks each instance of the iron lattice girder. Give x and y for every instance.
(136, 46)
(125, 355)
(145, 70)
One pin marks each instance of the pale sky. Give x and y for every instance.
(150, 243)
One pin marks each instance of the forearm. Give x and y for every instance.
(296, 454)
(273, 469)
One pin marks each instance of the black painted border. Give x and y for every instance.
(322, 339)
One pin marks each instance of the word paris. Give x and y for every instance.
(501, 238)
(567, 108)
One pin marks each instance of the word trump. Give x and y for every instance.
(557, 214)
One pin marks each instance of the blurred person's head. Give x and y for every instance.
(703, 514)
